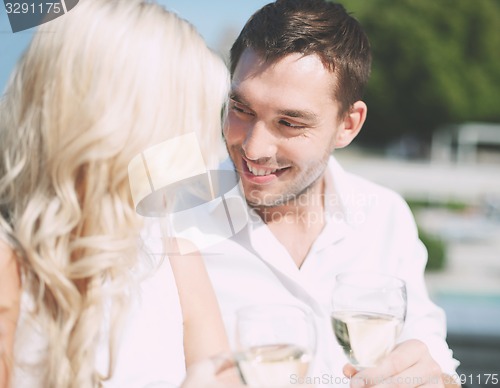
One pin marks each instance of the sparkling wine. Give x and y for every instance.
(366, 337)
(273, 365)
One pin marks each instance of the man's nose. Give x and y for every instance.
(260, 142)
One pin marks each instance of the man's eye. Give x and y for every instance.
(240, 109)
(290, 125)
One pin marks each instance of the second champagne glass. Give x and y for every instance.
(275, 343)
(368, 313)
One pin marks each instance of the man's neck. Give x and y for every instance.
(297, 223)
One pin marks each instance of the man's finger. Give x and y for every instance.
(349, 370)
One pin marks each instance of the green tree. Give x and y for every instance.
(435, 62)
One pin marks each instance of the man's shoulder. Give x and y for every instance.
(372, 201)
(360, 186)
(365, 185)
(376, 204)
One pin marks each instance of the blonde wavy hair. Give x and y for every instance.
(95, 87)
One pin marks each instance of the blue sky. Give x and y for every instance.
(213, 18)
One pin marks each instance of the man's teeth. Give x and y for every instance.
(260, 171)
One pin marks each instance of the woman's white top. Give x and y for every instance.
(151, 351)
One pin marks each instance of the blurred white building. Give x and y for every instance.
(467, 143)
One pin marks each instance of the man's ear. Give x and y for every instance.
(351, 124)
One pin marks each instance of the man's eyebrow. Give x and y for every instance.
(299, 114)
(295, 113)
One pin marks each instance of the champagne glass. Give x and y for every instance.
(276, 344)
(368, 313)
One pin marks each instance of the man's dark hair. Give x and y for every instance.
(311, 27)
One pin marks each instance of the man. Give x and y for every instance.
(298, 70)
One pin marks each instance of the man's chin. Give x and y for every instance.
(267, 203)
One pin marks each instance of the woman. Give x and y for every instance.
(84, 302)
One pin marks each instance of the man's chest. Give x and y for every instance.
(264, 271)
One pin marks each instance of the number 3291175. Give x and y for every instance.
(31, 8)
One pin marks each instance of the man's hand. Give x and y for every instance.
(408, 365)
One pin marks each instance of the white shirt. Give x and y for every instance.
(368, 228)
(151, 345)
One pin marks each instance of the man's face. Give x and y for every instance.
(281, 125)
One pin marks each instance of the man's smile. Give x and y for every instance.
(260, 174)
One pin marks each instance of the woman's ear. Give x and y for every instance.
(351, 124)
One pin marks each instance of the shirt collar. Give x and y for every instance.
(343, 204)
(341, 208)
